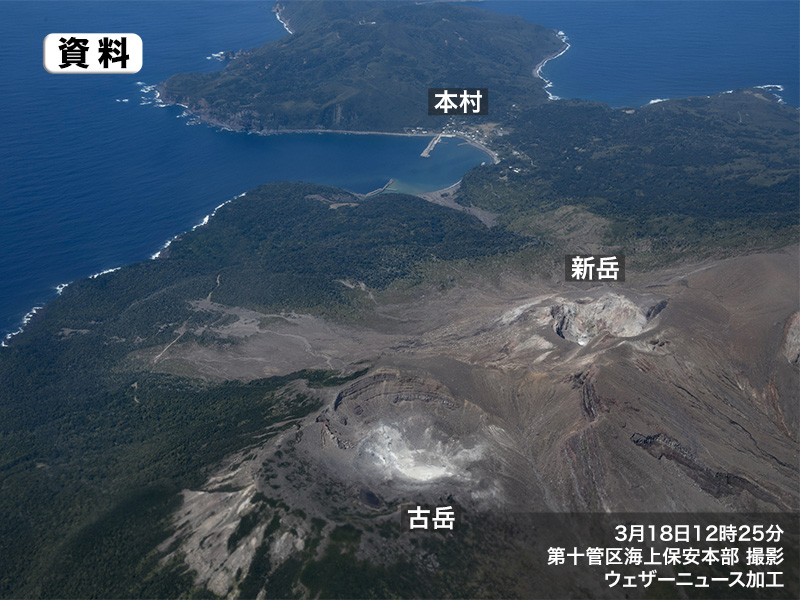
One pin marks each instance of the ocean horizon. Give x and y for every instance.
(96, 175)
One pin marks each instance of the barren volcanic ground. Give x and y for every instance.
(674, 392)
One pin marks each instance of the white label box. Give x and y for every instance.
(92, 53)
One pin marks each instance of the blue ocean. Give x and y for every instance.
(96, 175)
(629, 52)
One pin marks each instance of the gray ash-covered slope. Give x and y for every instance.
(367, 67)
(102, 421)
(169, 410)
(674, 393)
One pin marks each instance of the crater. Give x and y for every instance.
(400, 431)
(409, 450)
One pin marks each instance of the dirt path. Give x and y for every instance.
(208, 298)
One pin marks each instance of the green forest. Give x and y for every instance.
(368, 67)
(691, 177)
(94, 447)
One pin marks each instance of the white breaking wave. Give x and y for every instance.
(537, 72)
(159, 102)
(208, 216)
(28, 316)
(101, 273)
(282, 22)
(25, 320)
(61, 286)
(773, 87)
(202, 223)
(150, 95)
(164, 247)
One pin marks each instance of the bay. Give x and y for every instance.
(95, 176)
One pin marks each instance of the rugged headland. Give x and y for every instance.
(367, 66)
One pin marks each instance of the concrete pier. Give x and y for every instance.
(431, 145)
